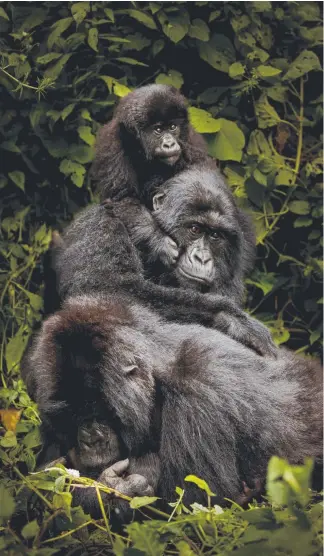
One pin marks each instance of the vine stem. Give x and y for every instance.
(298, 154)
(19, 82)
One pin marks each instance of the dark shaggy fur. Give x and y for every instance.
(123, 166)
(98, 256)
(220, 410)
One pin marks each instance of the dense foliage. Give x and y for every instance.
(252, 74)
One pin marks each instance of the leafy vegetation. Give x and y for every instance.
(252, 74)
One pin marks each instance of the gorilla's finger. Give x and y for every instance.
(117, 469)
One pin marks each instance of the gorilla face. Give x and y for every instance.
(197, 210)
(161, 141)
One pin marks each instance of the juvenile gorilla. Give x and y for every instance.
(97, 255)
(187, 398)
(148, 141)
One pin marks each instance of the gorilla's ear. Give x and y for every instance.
(158, 201)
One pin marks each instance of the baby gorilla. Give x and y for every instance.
(181, 399)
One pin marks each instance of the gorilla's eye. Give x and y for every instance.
(215, 235)
(195, 229)
(158, 129)
(173, 127)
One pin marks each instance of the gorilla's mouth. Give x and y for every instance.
(194, 277)
(170, 159)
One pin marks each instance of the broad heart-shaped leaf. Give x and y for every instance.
(175, 26)
(7, 505)
(200, 484)
(304, 63)
(173, 78)
(18, 178)
(285, 176)
(266, 114)
(143, 17)
(202, 121)
(199, 30)
(16, 347)
(267, 71)
(218, 52)
(299, 207)
(140, 501)
(93, 38)
(228, 142)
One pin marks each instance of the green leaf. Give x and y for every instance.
(30, 530)
(131, 61)
(16, 347)
(278, 93)
(7, 506)
(93, 38)
(3, 14)
(9, 440)
(202, 121)
(85, 133)
(140, 501)
(299, 207)
(285, 177)
(200, 484)
(236, 70)
(146, 540)
(288, 483)
(36, 301)
(67, 111)
(304, 63)
(199, 30)
(110, 14)
(18, 178)
(228, 142)
(43, 60)
(258, 145)
(120, 90)
(302, 222)
(80, 153)
(157, 47)
(173, 78)
(267, 71)
(73, 169)
(175, 27)
(143, 17)
(266, 114)
(32, 439)
(58, 28)
(218, 52)
(79, 11)
(54, 71)
(183, 549)
(63, 500)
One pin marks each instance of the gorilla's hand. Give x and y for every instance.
(167, 251)
(248, 331)
(131, 485)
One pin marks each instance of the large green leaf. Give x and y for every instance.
(304, 63)
(202, 121)
(199, 30)
(266, 114)
(143, 17)
(175, 26)
(218, 52)
(18, 178)
(228, 142)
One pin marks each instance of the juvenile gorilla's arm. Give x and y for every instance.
(99, 257)
(144, 230)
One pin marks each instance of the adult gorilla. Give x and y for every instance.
(174, 399)
(97, 255)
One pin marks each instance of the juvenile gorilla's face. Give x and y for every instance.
(199, 214)
(160, 141)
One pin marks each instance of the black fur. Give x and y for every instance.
(99, 256)
(221, 411)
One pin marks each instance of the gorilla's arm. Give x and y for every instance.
(144, 230)
(99, 257)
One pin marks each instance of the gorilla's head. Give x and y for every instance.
(196, 208)
(154, 123)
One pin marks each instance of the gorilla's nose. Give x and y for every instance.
(169, 143)
(203, 257)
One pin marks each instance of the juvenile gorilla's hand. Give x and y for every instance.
(130, 485)
(248, 331)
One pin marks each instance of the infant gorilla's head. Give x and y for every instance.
(155, 119)
(198, 211)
